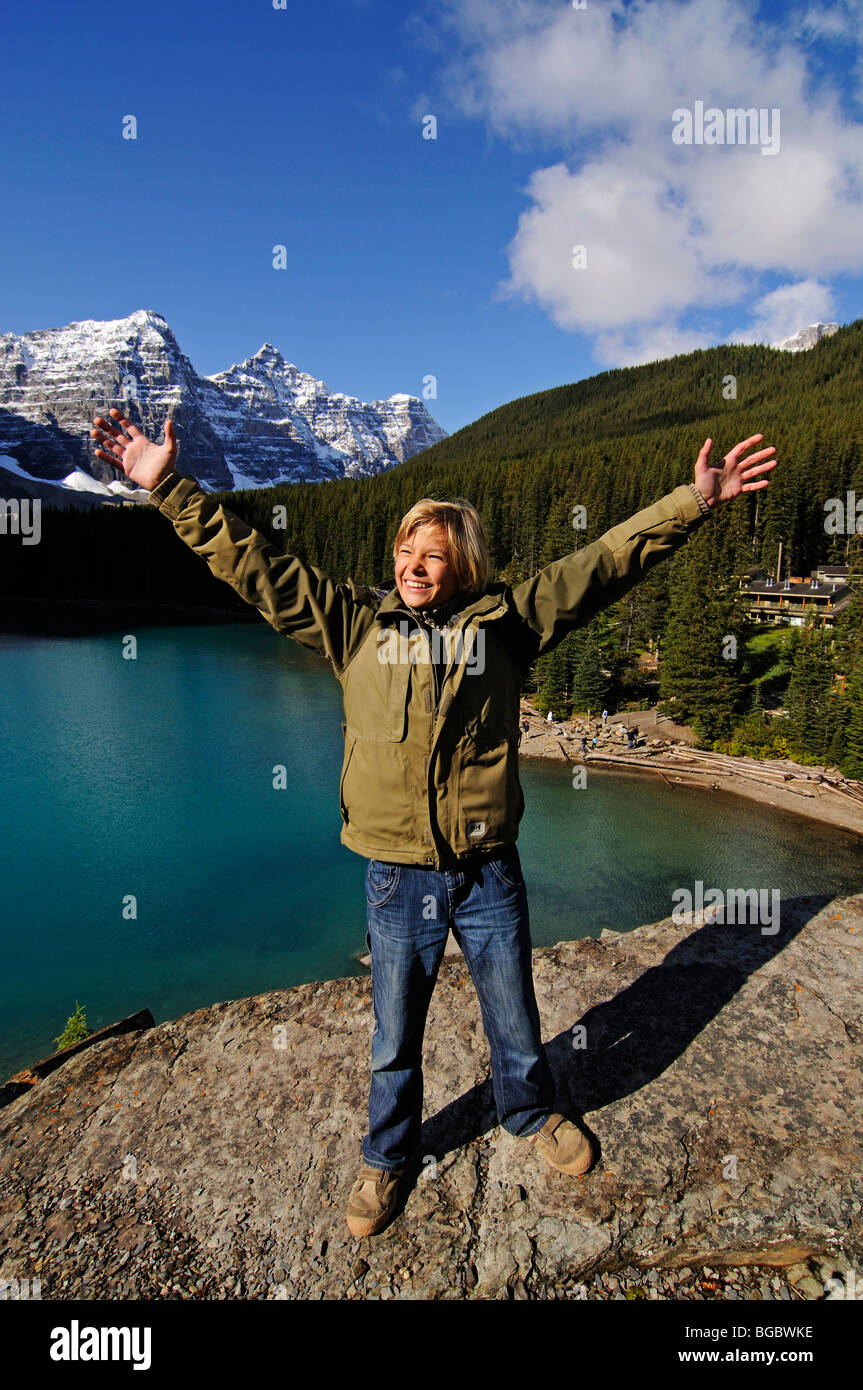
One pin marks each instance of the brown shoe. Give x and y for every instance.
(372, 1200)
(563, 1145)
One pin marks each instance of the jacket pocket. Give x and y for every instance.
(398, 703)
(490, 799)
(376, 694)
(350, 745)
(379, 793)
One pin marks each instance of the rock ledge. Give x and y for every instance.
(211, 1156)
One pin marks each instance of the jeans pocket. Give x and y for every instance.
(507, 867)
(382, 880)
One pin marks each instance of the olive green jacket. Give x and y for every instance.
(430, 768)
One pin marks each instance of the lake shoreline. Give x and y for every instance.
(80, 617)
(670, 753)
(812, 797)
(660, 756)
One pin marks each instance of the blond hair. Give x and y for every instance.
(466, 542)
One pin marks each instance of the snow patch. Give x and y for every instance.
(13, 466)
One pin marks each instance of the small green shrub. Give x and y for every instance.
(76, 1029)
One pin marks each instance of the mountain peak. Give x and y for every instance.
(806, 338)
(261, 422)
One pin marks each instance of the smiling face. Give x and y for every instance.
(424, 575)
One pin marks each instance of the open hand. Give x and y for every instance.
(720, 482)
(141, 460)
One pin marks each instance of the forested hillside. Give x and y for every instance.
(610, 444)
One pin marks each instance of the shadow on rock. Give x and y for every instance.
(636, 1035)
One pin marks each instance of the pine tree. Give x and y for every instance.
(851, 763)
(811, 693)
(700, 669)
(552, 684)
(589, 682)
(560, 537)
(849, 664)
(76, 1029)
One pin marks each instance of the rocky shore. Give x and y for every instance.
(665, 749)
(210, 1157)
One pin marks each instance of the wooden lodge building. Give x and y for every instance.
(822, 597)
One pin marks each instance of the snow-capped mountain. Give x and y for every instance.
(294, 418)
(806, 338)
(261, 422)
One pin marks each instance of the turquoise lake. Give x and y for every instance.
(153, 778)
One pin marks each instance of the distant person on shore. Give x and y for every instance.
(429, 789)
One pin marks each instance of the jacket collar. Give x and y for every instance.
(489, 604)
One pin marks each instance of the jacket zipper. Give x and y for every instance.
(438, 689)
(430, 858)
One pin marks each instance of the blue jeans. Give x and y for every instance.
(410, 910)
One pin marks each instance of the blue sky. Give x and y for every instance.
(408, 257)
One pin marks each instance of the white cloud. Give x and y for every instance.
(839, 22)
(643, 259)
(780, 313)
(670, 230)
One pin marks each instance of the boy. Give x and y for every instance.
(431, 671)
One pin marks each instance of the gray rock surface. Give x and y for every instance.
(211, 1156)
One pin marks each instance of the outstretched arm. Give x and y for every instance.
(567, 593)
(296, 599)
